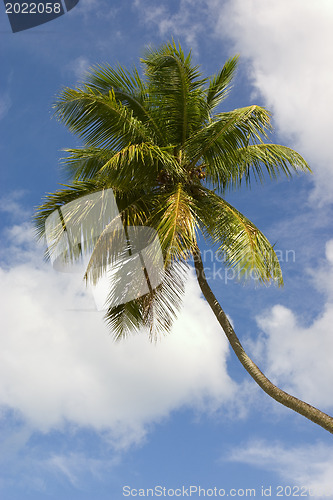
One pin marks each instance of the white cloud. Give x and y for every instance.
(186, 22)
(58, 363)
(12, 204)
(289, 45)
(79, 67)
(329, 251)
(308, 467)
(299, 356)
(75, 466)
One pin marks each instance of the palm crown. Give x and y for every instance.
(169, 153)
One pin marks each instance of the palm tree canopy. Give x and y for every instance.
(169, 153)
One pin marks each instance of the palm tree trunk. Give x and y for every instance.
(282, 397)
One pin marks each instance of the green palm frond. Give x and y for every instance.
(176, 224)
(99, 119)
(125, 319)
(175, 82)
(240, 243)
(154, 311)
(72, 220)
(169, 66)
(134, 165)
(129, 89)
(142, 163)
(54, 201)
(112, 244)
(219, 85)
(257, 160)
(85, 163)
(227, 133)
(127, 85)
(254, 161)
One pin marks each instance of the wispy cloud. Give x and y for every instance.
(12, 204)
(74, 467)
(79, 67)
(309, 467)
(189, 21)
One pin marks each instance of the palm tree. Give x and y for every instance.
(169, 154)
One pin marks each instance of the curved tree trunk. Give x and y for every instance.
(282, 397)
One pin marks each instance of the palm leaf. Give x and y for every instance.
(176, 224)
(85, 163)
(175, 82)
(227, 133)
(155, 311)
(113, 246)
(101, 120)
(253, 161)
(240, 243)
(54, 201)
(138, 162)
(128, 88)
(273, 159)
(219, 85)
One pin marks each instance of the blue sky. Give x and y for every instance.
(82, 417)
